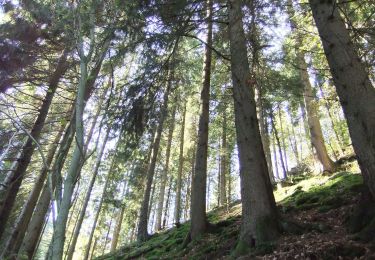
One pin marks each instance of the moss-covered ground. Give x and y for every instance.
(320, 204)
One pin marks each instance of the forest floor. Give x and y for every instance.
(320, 205)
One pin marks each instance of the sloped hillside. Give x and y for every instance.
(318, 207)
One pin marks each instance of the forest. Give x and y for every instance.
(187, 129)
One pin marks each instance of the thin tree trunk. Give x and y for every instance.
(143, 217)
(283, 140)
(12, 183)
(165, 219)
(275, 156)
(87, 197)
(199, 179)
(177, 208)
(165, 173)
(353, 86)
(116, 232)
(93, 227)
(223, 162)
(259, 213)
(275, 132)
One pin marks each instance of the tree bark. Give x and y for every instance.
(353, 86)
(259, 213)
(11, 185)
(177, 208)
(199, 179)
(165, 173)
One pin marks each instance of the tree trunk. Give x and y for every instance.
(177, 208)
(58, 238)
(117, 230)
(165, 219)
(87, 197)
(316, 133)
(282, 135)
(275, 132)
(165, 173)
(35, 226)
(312, 107)
(259, 213)
(275, 156)
(143, 217)
(332, 121)
(12, 183)
(223, 162)
(262, 117)
(353, 86)
(107, 179)
(199, 179)
(18, 232)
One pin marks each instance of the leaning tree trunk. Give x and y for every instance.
(353, 86)
(143, 216)
(177, 208)
(18, 232)
(316, 133)
(164, 177)
(12, 183)
(199, 179)
(312, 106)
(58, 237)
(259, 213)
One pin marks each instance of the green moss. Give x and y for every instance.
(332, 194)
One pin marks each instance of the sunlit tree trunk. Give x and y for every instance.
(316, 133)
(353, 86)
(312, 106)
(199, 179)
(259, 213)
